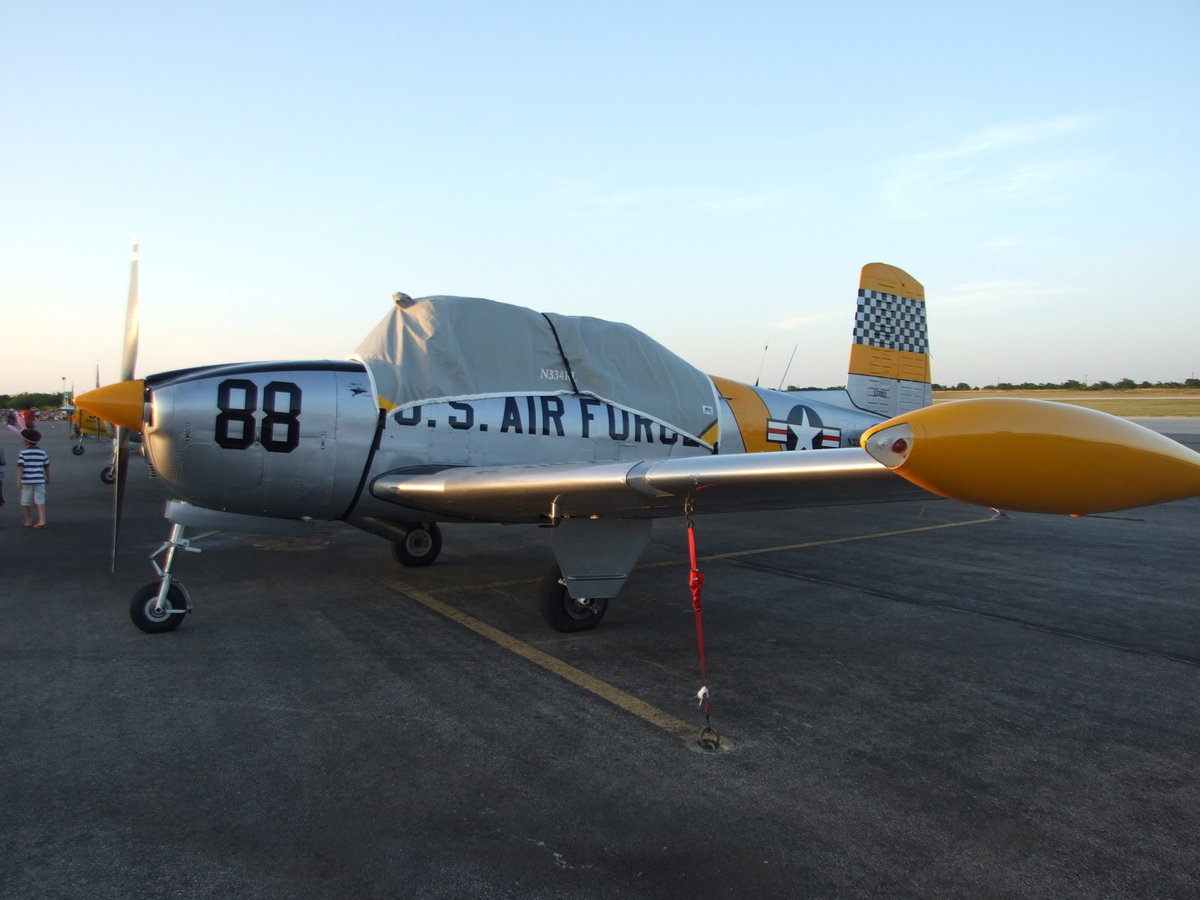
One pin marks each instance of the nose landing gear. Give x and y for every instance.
(160, 606)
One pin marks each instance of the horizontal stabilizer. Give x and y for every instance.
(1035, 456)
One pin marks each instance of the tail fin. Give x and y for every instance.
(889, 359)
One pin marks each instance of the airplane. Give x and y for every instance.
(87, 426)
(458, 409)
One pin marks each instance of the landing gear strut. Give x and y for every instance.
(160, 606)
(564, 612)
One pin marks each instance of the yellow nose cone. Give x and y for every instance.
(122, 404)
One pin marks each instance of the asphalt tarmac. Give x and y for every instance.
(914, 699)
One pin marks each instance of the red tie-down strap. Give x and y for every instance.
(696, 583)
(709, 739)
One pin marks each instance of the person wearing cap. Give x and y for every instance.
(33, 472)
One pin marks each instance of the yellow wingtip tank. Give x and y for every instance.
(1035, 456)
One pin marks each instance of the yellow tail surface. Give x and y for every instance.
(889, 359)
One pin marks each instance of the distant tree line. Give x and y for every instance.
(1125, 384)
(37, 401)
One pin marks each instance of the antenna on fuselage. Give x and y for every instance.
(761, 363)
(788, 366)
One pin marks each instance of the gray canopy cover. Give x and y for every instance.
(439, 349)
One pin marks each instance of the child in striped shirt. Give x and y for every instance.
(33, 472)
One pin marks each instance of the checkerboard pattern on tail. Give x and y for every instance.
(891, 321)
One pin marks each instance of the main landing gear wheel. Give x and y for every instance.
(108, 475)
(144, 615)
(420, 545)
(564, 612)
(78, 450)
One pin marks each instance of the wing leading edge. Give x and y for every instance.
(646, 488)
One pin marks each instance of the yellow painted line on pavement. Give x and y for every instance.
(614, 695)
(673, 726)
(824, 542)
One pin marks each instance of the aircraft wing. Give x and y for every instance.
(1020, 455)
(647, 488)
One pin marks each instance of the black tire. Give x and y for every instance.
(563, 612)
(108, 474)
(141, 608)
(420, 545)
(78, 450)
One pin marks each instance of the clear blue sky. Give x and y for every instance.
(715, 174)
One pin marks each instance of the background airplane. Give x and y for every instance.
(468, 410)
(87, 426)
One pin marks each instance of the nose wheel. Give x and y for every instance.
(155, 616)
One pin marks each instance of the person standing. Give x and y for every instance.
(3, 463)
(33, 472)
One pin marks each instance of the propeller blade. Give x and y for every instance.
(1034, 456)
(122, 404)
(120, 467)
(130, 351)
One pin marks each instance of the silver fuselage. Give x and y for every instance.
(305, 440)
